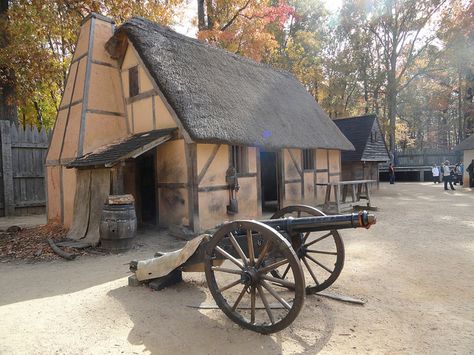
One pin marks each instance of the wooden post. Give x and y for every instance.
(337, 192)
(117, 179)
(7, 168)
(193, 196)
(259, 183)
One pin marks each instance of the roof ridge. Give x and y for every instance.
(169, 31)
(370, 115)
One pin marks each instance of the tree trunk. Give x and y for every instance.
(39, 115)
(8, 110)
(201, 15)
(210, 15)
(392, 106)
(460, 108)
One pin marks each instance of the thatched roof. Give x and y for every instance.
(466, 144)
(365, 134)
(221, 97)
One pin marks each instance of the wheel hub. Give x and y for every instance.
(249, 276)
(301, 252)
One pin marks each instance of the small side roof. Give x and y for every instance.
(358, 130)
(130, 147)
(221, 97)
(466, 144)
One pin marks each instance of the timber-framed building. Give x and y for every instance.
(150, 112)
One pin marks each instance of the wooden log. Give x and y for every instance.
(120, 199)
(341, 298)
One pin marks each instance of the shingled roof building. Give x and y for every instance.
(370, 149)
(150, 112)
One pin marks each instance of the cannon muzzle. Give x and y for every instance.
(361, 219)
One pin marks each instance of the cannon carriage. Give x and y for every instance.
(259, 272)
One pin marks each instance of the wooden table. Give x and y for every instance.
(359, 190)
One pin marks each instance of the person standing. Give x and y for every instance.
(435, 172)
(470, 170)
(458, 172)
(391, 173)
(447, 176)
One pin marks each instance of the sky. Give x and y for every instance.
(184, 24)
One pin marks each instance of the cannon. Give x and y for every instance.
(259, 272)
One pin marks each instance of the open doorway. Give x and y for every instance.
(269, 179)
(146, 189)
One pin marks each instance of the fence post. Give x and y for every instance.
(7, 168)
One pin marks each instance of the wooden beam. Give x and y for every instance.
(103, 112)
(68, 114)
(292, 181)
(153, 109)
(259, 182)
(85, 99)
(143, 95)
(193, 194)
(281, 177)
(213, 188)
(7, 168)
(300, 172)
(117, 179)
(105, 64)
(72, 103)
(208, 164)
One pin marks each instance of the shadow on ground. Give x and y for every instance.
(22, 281)
(164, 323)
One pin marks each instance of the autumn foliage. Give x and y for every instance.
(410, 62)
(245, 27)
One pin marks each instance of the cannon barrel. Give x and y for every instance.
(322, 223)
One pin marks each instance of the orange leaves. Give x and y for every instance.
(243, 27)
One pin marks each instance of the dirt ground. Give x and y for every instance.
(415, 269)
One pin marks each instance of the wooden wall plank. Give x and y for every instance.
(7, 168)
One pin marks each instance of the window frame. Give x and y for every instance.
(308, 159)
(133, 82)
(239, 158)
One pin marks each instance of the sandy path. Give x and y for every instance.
(415, 268)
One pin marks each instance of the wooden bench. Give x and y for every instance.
(359, 190)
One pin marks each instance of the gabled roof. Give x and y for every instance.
(122, 149)
(221, 97)
(466, 144)
(358, 130)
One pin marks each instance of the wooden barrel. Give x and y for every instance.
(118, 226)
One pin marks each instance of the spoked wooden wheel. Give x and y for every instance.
(321, 253)
(243, 287)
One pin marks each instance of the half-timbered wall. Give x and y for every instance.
(172, 183)
(91, 114)
(300, 186)
(213, 191)
(147, 110)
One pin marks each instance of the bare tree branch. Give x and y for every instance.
(231, 21)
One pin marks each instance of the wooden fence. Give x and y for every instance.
(22, 154)
(426, 157)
